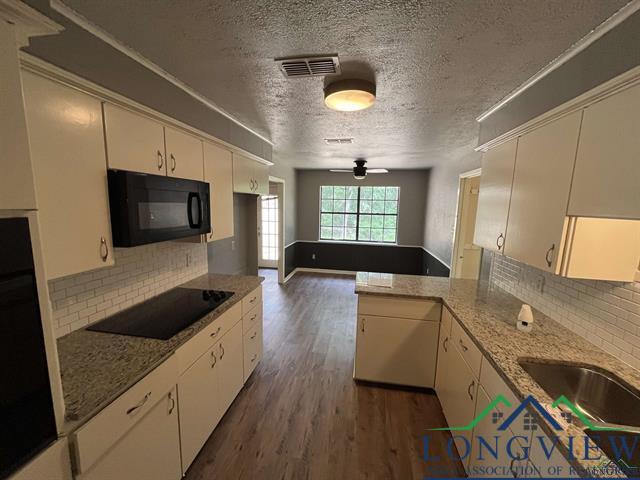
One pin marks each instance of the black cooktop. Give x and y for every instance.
(163, 316)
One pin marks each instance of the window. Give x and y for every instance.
(364, 214)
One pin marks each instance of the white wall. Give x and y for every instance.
(139, 273)
(605, 313)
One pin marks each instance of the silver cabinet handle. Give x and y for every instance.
(104, 249)
(253, 359)
(213, 334)
(139, 404)
(549, 256)
(362, 328)
(221, 351)
(444, 344)
(257, 184)
(214, 360)
(160, 160)
(254, 335)
(252, 184)
(500, 243)
(471, 385)
(253, 317)
(173, 163)
(173, 403)
(253, 299)
(463, 346)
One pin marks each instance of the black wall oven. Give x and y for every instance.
(27, 418)
(154, 208)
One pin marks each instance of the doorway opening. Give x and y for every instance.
(467, 257)
(271, 228)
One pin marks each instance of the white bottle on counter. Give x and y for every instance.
(525, 318)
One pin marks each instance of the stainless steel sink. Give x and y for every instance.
(599, 394)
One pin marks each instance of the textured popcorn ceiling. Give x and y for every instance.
(437, 65)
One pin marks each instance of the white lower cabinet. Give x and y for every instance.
(231, 371)
(200, 405)
(149, 451)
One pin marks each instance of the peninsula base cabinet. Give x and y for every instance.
(156, 429)
(399, 349)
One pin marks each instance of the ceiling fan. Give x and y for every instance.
(360, 171)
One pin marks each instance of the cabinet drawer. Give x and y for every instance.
(467, 348)
(399, 307)
(252, 349)
(253, 318)
(94, 438)
(251, 300)
(192, 350)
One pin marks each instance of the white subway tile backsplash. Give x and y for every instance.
(605, 313)
(139, 273)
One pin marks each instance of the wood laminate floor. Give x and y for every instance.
(301, 415)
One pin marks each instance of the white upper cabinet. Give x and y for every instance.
(249, 176)
(540, 192)
(183, 155)
(70, 170)
(134, 142)
(261, 177)
(606, 182)
(495, 192)
(218, 172)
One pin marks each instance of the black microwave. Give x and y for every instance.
(154, 208)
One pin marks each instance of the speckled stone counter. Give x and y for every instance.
(98, 367)
(488, 314)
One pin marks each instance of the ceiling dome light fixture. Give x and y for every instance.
(349, 95)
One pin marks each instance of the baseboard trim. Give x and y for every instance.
(296, 270)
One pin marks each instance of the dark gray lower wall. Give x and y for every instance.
(362, 257)
(238, 255)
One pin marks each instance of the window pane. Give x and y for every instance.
(377, 206)
(325, 233)
(391, 207)
(338, 205)
(366, 192)
(338, 233)
(352, 206)
(325, 220)
(364, 234)
(378, 193)
(365, 206)
(327, 192)
(351, 220)
(390, 221)
(377, 221)
(365, 220)
(376, 234)
(352, 193)
(350, 234)
(338, 220)
(392, 193)
(327, 205)
(389, 235)
(339, 192)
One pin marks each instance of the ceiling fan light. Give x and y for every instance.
(359, 176)
(350, 95)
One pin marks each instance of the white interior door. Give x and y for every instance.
(268, 231)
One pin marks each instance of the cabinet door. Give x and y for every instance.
(605, 182)
(184, 155)
(218, 172)
(540, 193)
(444, 344)
(243, 172)
(134, 142)
(70, 171)
(150, 450)
(396, 350)
(199, 403)
(459, 401)
(261, 176)
(495, 193)
(231, 366)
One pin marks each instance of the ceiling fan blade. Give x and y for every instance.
(377, 170)
(341, 171)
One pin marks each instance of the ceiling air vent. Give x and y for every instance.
(338, 141)
(309, 66)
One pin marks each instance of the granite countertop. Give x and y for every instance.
(98, 367)
(488, 314)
